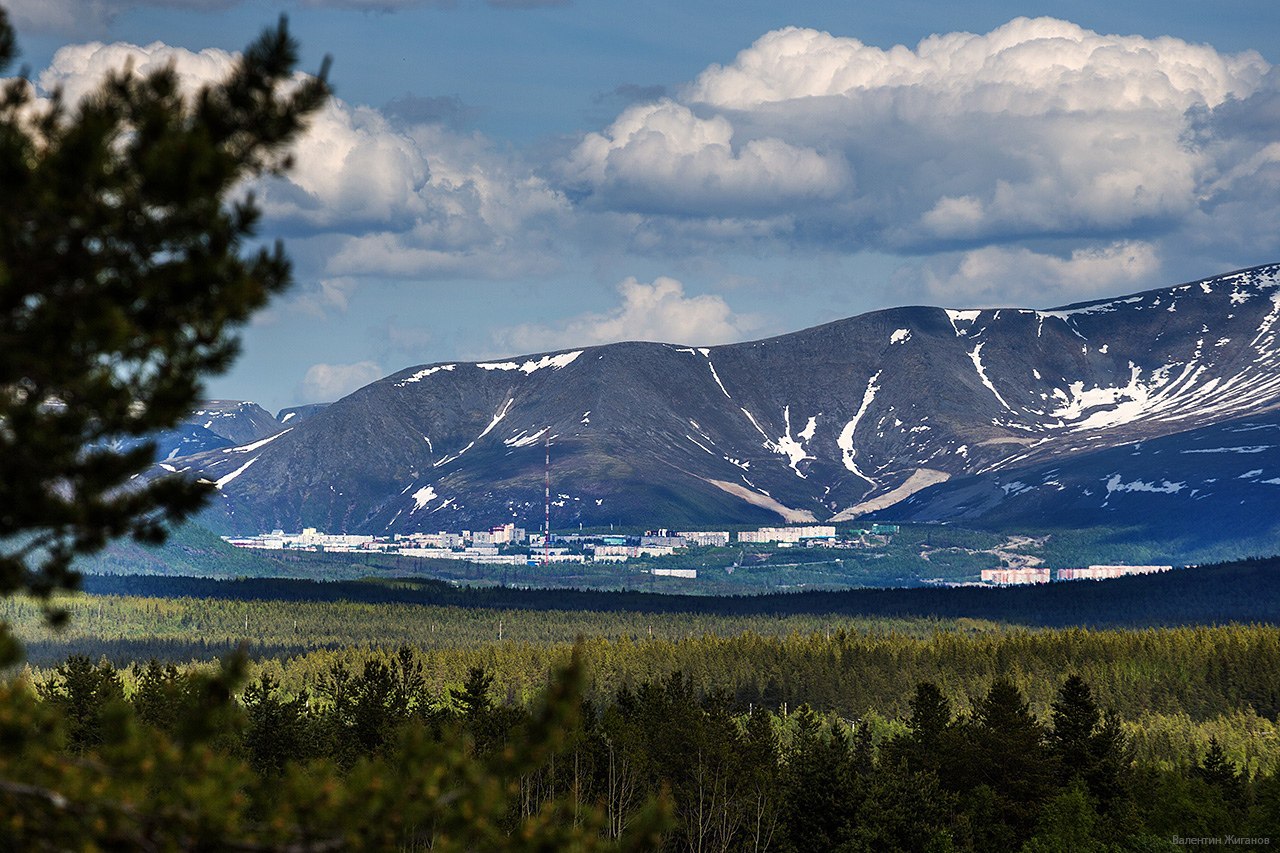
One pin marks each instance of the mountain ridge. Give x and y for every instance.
(826, 423)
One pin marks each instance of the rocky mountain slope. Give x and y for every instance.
(216, 424)
(918, 412)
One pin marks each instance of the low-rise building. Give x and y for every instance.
(788, 534)
(705, 538)
(505, 533)
(675, 573)
(662, 541)
(1014, 577)
(1107, 572)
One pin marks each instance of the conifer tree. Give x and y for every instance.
(126, 265)
(1221, 772)
(473, 699)
(1009, 756)
(929, 746)
(1083, 743)
(84, 692)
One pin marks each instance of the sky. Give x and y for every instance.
(501, 177)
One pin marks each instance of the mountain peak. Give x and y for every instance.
(828, 423)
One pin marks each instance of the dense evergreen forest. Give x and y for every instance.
(367, 754)
(414, 715)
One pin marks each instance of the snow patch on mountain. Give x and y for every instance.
(524, 439)
(976, 358)
(422, 497)
(556, 362)
(222, 481)
(246, 448)
(788, 446)
(497, 418)
(845, 440)
(1098, 308)
(423, 374)
(967, 317)
(1115, 483)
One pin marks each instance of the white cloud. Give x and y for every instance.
(79, 69)
(659, 311)
(1024, 67)
(996, 275)
(325, 383)
(477, 212)
(366, 197)
(1038, 129)
(663, 158)
(1001, 165)
(352, 170)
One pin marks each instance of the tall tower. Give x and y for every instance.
(546, 527)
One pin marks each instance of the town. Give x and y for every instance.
(509, 544)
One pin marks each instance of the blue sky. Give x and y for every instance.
(506, 177)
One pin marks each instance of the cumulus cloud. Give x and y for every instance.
(78, 69)
(324, 383)
(473, 211)
(995, 275)
(369, 196)
(1023, 66)
(1039, 161)
(1038, 129)
(658, 311)
(664, 158)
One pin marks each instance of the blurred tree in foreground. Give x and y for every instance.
(82, 770)
(124, 273)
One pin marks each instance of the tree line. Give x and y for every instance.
(1245, 591)
(367, 753)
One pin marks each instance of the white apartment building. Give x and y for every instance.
(765, 535)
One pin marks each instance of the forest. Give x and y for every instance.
(366, 751)
(414, 715)
(1245, 591)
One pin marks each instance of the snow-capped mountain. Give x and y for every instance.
(848, 418)
(216, 424)
(1210, 484)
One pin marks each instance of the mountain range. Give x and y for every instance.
(1158, 409)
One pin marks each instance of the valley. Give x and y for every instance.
(1147, 413)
